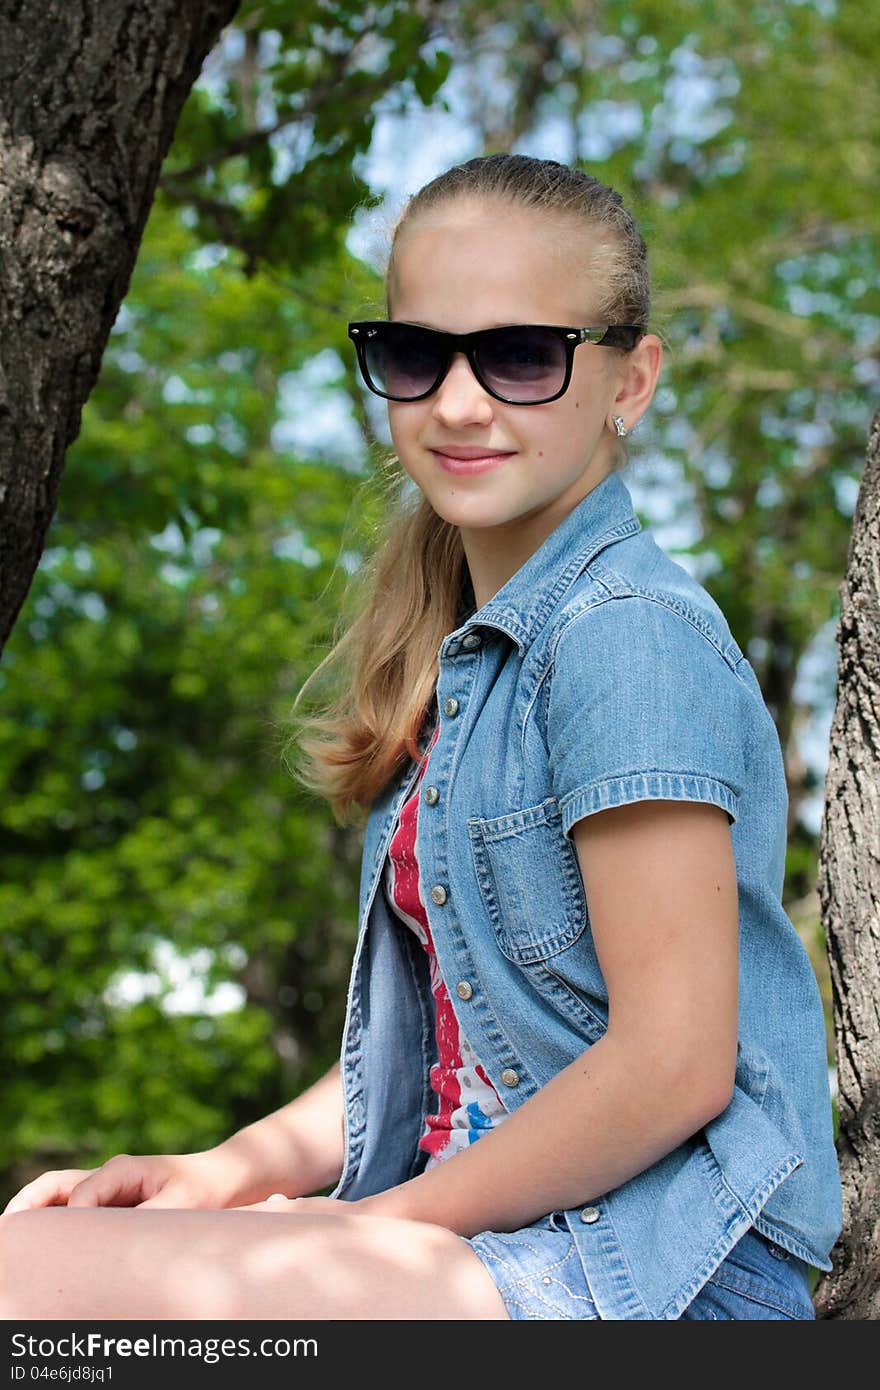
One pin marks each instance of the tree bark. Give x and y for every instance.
(90, 95)
(849, 896)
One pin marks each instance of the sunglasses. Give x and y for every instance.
(520, 364)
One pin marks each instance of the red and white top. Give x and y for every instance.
(468, 1103)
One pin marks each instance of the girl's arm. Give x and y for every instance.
(294, 1150)
(660, 881)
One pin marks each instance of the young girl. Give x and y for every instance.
(583, 1070)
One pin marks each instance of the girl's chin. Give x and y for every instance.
(477, 518)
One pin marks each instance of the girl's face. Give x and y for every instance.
(477, 265)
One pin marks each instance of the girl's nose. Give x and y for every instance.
(460, 399)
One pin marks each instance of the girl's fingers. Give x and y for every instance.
(178, 1196)
(50, 1189)
(113, 1185)
(274, 1202)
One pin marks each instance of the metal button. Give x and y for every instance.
(432, 796)
(463, 989)
(438, 894)
(471, 640)
(777, 1250)
(451, 707)
(510, 1077)
(590, 1214)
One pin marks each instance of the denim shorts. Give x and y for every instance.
(539, 1274)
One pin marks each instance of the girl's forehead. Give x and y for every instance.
(492, 228)
(489, 265)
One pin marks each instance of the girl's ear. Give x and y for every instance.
(638, 382)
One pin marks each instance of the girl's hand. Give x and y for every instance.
(322, 1206)
(50, 1189)
(308, 1206)
(206, 1179)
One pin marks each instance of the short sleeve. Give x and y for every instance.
(642, 706)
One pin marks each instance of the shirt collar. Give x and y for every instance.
(522, 606)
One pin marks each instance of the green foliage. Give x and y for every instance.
(312, 78)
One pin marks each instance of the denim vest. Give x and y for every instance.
(600, 673)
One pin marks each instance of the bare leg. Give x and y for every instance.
(117, 1262)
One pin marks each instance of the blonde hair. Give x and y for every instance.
(411, 592)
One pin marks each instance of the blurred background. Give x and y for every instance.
(178, 915)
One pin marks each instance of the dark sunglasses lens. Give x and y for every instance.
(402, 361)
(522, 364)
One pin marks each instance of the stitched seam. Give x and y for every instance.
(764, 1300)
(595, 795)
(671, 605)
(578, 1297)
(647, 772)
(532, 1316)
(535, 1250)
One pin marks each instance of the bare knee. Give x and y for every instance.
(20, 1247)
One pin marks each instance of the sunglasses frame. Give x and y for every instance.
(620, 335)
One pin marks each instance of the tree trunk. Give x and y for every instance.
(90, 94)
(849, 896)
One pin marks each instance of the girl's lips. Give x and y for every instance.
(478, 465)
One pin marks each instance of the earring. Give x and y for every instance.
(619, 426)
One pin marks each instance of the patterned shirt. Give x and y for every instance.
(467, 1102)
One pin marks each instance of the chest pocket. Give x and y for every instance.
(530, 881)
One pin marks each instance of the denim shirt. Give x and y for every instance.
(600, 673)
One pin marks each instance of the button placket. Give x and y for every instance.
(464, 989)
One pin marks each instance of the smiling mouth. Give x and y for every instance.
(478, 463)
